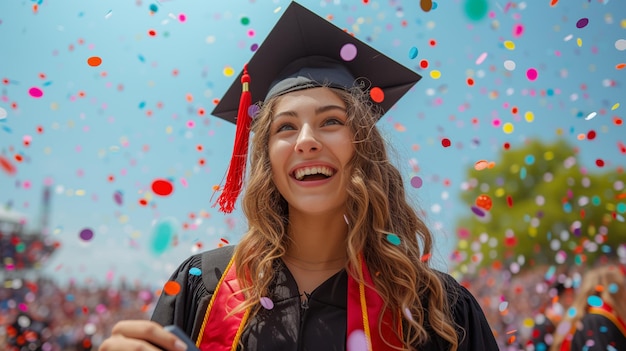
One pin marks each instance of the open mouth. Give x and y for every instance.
(313, 173)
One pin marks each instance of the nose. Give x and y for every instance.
(307, 141)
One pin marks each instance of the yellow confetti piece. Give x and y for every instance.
(509, 45)
(435, 74)
(529, 116)
(228, 71)
(528, 323)
(508, 128)
(169, 130)
(579, 42)
(548, 156)
(623, 23)
(615, 107)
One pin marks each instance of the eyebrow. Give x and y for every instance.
(318, 110)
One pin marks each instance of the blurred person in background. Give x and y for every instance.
(597, 318)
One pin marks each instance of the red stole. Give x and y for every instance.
(222, 333)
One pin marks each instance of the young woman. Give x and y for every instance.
(334, 258)
(597, 318)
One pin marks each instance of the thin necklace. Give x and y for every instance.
(292, 259)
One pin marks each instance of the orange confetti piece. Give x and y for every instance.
(399, 127)
(480, 165)
(94, 61)
(171, 288)
(554, 2)
(620, 66)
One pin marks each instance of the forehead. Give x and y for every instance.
(312, 97)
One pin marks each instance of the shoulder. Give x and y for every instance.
(474, 330)
(204, 268)
(213, 264)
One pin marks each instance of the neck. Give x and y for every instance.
(317, 242)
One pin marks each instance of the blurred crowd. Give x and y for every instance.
(41, 315)
(523, 309)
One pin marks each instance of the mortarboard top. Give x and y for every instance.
(305, 45)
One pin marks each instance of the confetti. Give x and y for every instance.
(171, 288)
(478, 211)
(582, 23)
(591, 116)
(162, 187)
(3, 113)
(413, 53)
(476, 9)
(416, 182)
(195, 271)
(35, 92)
(620, 44)
(481, 58)
(394, 239)
(426, 5)
(594, 301)
(377, 95)
(118, 197)
(357, 341)
(484, 202)
(94, 61)
(267, 303)
(86, 234)
(7, 166)
(509, 45)
(162, 236)
(348, 52)
(531, 74)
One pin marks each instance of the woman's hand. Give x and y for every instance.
(140, 335)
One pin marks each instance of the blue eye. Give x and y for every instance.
(333, 121)
(284, 127)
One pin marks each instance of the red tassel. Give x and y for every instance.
(237, 168)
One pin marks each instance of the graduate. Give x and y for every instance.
(597, 319)
(334, 257)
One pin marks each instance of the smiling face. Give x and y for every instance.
(310, 147)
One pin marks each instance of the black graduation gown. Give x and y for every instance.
(318, 324)
(598, 333)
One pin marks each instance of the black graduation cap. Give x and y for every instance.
(307, 45)
(304, 50)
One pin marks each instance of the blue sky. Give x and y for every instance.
(116, 127)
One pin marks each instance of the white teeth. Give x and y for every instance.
(301, 172)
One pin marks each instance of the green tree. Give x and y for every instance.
(546, 208)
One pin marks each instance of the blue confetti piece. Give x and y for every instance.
(195, 271)
(394, 239)
(594, 301)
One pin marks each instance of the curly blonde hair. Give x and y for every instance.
(376, 206)
(596, 282)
